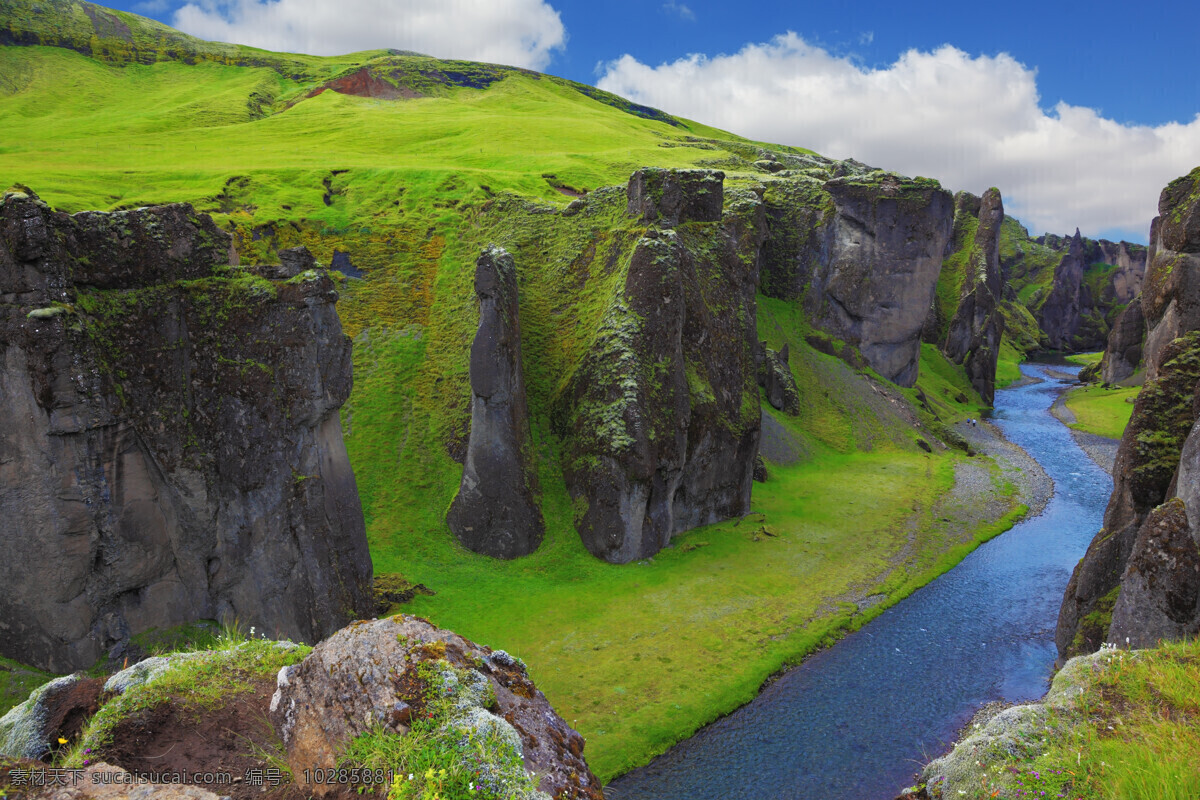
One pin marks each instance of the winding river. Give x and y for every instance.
(856, 721)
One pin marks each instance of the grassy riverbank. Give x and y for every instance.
(1115, 725)
(638, 657)
(1102, 411)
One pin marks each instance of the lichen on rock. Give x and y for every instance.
(401, 676)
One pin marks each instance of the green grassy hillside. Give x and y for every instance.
(400, 183)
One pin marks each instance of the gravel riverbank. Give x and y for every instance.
(1100, 449)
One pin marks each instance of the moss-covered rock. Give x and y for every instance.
(402, 695)
(171, 448)
(974, 331)
(660, 418)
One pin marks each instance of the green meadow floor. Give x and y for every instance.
(638, 657)
(1104, 412)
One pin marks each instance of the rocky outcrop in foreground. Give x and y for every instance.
(496, 510)
(862, 251)
(995, 740)
(1138, 579)
(170, 448)
(379, 698)
(399, 673)
(973, 339)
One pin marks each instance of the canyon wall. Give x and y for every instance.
(170, 447)
(1138, 579)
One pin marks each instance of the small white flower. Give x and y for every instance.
(410, 776)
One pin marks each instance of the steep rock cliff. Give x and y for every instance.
(496, 509)
(170, 447)
(1075, 287)
(660, 418)
(1171, 291)
(862, 251)
(1060, 315)
(1123, 351)
(973, 337)
(1136, 580)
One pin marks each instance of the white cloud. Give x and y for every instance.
(515, 32)
(681, 9)
(971, 122)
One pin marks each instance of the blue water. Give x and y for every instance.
(856, 721)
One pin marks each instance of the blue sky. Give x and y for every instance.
(967, 93)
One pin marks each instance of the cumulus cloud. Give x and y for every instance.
(520, 33)
(971, 122)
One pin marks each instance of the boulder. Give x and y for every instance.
(54, 710)
(775, 376)
(170, 446)
(496, 509)
(396, 673)
(103, 781)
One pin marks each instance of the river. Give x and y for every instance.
(856, 721)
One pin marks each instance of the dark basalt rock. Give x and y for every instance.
(1060, 316)
(1171, 290)
(170, 447)
(660, 419)
(671, 196)
(1123, 352)
(862, 252)
(775, 375)
(496, 509)
(973, 339)
(1161, 585)
(1143, 564)
(1143, 473)
(1179, 206)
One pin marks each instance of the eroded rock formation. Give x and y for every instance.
(669, 196)
(863, 252)
(170, 447)
(1123, 352)
(775, 376)
(973, 338)
(660, 418)
(496, 509)
(1138, 579)
(1059, 317)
